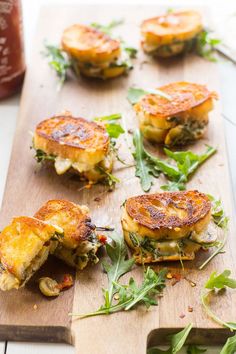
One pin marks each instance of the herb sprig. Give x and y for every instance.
(206, 45)
(131, 294)
(135, 94)
(148, 166)
(41, 156)
(193, 349)
(177, 341)
(58, 61)
(214, 284)
(113, 128)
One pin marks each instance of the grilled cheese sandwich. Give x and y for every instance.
(74, 144)
(171, 34)
(24, 247)
(168, 226)
(179, 120)
(79, 244)
(94, 53)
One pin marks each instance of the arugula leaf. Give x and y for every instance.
(107, 28)
(230, 346)
(58, 61)
(147, 165)
(218, 282)
(131, 295)
(143, 168)
(41, 156)
(119, 264)
(193, 349)
(132, 52)
(177, 342)
(135, 94)
(218, 213)
(113, 129)
(206, 45)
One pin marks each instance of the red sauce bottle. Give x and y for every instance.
(12, 64)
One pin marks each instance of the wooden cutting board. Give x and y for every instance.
(26, 314)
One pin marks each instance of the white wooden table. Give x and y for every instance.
(9, 108)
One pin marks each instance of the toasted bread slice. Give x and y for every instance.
(167, 226)
(74, 143)
(177, 120)
(79, 244)
(88, 44)
(24, 246)
(170, 34)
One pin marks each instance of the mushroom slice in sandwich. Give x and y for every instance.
(178, 120)
(167, 226)
(24, 247)
(94, 53)
(80, 244)
(74, 144)
(171, 34)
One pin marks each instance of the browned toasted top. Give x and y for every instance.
(72, 218)
(173, 23)
(169, 209)
(184, 96)
(84, 38)
(76, 132)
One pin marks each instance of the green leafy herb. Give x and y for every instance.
(230, 346)
(193, 349)
(216, 283)
(221, 220)
(132, 52)
(206, 45)
(218, 213)
(177, 342)
(135, 94)
(144, 169)
(110, 179)
(41, 156)
(220, 281)
(107, 28)
(131, 295)
(58, 61)
(118, 266)
(113, 129)
(185, 164)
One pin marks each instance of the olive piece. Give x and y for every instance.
(49, 286)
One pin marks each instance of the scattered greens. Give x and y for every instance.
(230, 346)
(221, 220)
(206, 45)
(218, 213)
(214, 284)
(113, 128)
(176, 342)
(107, 28)
(110, 179)
(58, 61)
(131, 294)
(148, 166)
(135, 94)
(193, 349)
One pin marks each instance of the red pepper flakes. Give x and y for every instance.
(177, 277)
(102, 239)
(66, 283)
(97, 199)
(190, 309)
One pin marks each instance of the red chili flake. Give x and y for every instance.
(66, 283)
(190, 309)
(102, 239)
(182, 315)
(97, 199)
(177, 277)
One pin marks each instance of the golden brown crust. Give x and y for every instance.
(168, 210)
(74, 132)
(183, 25)
(72, 218)
(184, 96)
(89, 44)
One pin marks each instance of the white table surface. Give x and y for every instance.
(9, 109)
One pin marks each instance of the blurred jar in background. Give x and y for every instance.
(12, 65)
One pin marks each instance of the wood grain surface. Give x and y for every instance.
(29, 186)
